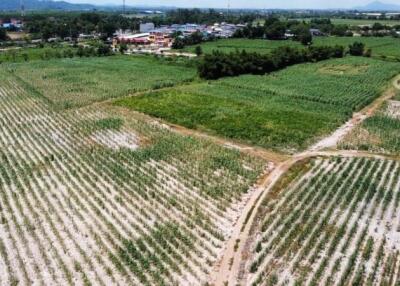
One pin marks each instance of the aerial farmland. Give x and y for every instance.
(240, 160)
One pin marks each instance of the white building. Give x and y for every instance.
(146, 27)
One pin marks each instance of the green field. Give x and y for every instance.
(80, 81)
(350, 22)
(16, 55)
(381, 46)
(250, 45)
(357, 22)
(287, 110)
(379, 133)
(386, 46)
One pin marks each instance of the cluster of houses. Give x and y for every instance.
(11, 24)
(162, 37)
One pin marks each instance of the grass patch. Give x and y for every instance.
(296, 171)
(109, 123)
(397, 96)
(344, 69)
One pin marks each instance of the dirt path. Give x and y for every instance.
(227, 269)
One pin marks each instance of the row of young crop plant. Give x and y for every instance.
(75, 212)
(78, 82)
(349, 84)
(379, 133)
(337, 224)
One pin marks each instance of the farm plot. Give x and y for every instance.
(336, 224)
(382, 47)
(76, 82)
(287, 110)
(250, 45)
(78, 206)
(379, 133)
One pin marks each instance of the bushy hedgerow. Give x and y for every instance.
(219, 64)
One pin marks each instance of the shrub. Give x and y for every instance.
(356, 49)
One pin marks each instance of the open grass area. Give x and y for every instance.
(99, 197)
(80, 81)
(287, 110)
(337, 224)
(381, 47)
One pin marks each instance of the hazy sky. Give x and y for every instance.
(243, 3)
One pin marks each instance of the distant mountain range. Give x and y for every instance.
(12, 5)
(379, 6)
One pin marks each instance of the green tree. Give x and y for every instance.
(198, 51)
(357, 49)
(25, 56)
(339, 30)
(302, 34)
(123, 48)
(3, 34)
(178, 43)
(276, 31)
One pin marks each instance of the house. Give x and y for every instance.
(161, 40)
(137, 39)
(316, 32)
(14, 24)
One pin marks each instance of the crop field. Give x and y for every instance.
(336, 224)
(30, 54)
(250, 45)
(379, 133)
(287, 110)
(357, 22)
(381, 47)
(77, 82)
(98, 197)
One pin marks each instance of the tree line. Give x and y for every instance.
(273, 28)
(219, 64)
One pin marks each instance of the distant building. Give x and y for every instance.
(161, 40)
(316, 32)
(15, 24)
(142, 38)
(146, 27)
